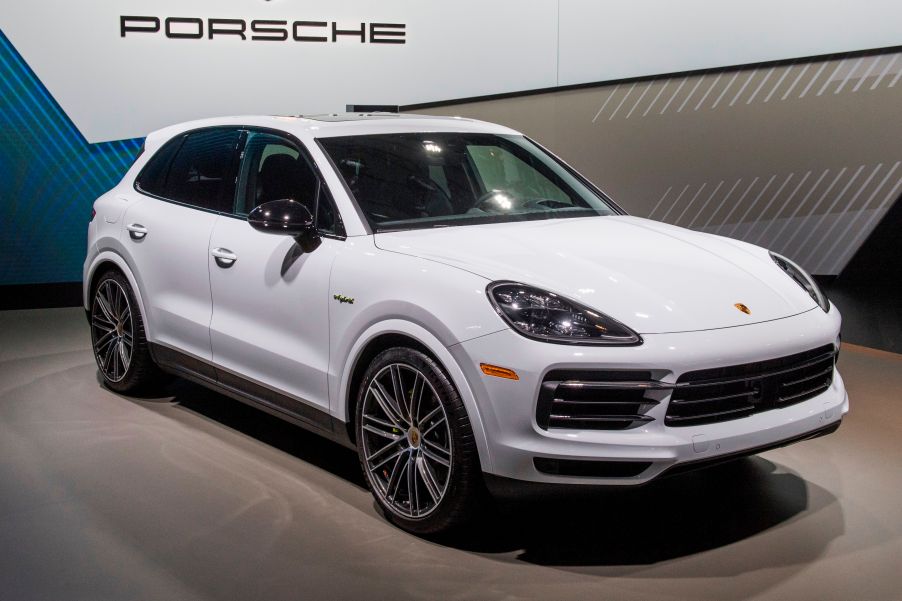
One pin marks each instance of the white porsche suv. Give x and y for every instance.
(453, 301)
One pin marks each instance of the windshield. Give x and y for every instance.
(421, 180)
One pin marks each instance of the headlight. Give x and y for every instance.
(546, 316)
(802, 279)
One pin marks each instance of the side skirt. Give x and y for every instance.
(251, 393)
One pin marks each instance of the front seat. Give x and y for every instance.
(283, 176)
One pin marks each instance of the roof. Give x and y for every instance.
(342, 124)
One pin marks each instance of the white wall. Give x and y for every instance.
(115, 88)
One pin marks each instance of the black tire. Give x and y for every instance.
(110, 326)
(463, 485)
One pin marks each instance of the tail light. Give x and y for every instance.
(93, 214)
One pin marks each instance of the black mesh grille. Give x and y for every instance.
(577, 399)
(725, 393)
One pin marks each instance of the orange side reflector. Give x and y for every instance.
(498, 372)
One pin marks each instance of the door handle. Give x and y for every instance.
(224, 257)
(136, 231)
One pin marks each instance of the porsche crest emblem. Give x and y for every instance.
(743, 308)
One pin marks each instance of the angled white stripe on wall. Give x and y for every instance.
(799, 206)
(895, 80)
(813, 79)
(686, 208)
(677, 91)
(675, 202)
(658, 95)
(660, 200)
(813, 254)
(641, 96)
(776, 216)
(627, 95)
(854, 219)
(611, 95)
(691, 92)
(795, 81)
(760, 85)
(849, 75)
(724, 91)
(886, 69)
(707, 202)
(773, 197)
(786, 247)
(751, 206)
(744, 86)
(739, 202)
(804, 244)
(779, 81)
(867, 72)
(839, 66)
(722, 201)
(705, 95)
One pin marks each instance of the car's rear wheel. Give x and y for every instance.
(117, 337)
(415, 443)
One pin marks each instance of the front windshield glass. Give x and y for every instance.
(420, 180)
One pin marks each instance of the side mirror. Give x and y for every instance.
(289, 218)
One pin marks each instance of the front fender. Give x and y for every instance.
(339, 396)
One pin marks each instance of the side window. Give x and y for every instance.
(274, 169)
(152, 178)
(202, 172)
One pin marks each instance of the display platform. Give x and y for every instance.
(195, 496)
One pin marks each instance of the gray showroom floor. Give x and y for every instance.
(198, 497)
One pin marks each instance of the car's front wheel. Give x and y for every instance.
(415, 443)
(117, 337)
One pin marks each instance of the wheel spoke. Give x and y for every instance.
(395, 479)
(398, 390)
(416, 397)
(393, 440)
(412, 497)
(430, 415)
(123, 356)
(104, 305)
(432, 452)
(379, 432)
(103, 340)
(388, 405)
(100, 322)
(428, 478)
(390, 457)
(433, 426)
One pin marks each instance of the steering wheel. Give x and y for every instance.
(545, 203)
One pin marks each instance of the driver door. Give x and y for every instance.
(270, 325)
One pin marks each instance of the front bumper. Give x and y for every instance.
(515, 442)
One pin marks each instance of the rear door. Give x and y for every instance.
(179, 196)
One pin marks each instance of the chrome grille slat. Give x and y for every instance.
(809, 392)
(725, 397)
(700, 416)
(806, 378)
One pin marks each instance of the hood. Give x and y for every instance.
(653, 277)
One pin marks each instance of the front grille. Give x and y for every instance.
(619, 400)
(724, 393)
(593, 400)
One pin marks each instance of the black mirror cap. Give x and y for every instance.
(286, 217)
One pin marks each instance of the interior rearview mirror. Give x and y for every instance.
(289, 218)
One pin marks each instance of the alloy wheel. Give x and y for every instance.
(112, 330)
(406, 441)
